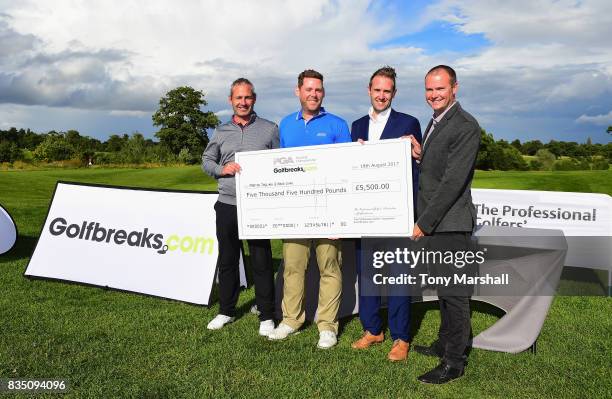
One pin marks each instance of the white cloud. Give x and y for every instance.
(522, 22)
(549, 57)
(12, 115)
(601, 120)
(166, 44)
(119, 56)
(224, 112)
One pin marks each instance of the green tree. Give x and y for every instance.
(115, 142)
(572, 149)
(498, 155)
(487, 152)
(183, 123)
(570, 164)
(31, 140)
(534, 164)
(609, 130)
(531, 147)
(161, 154)
(11, 135)
(54, 147)
(74, 138)
(588, 146)
(545, 158)
(9, 152)
(134, 150)
(503, 143)
(607, 151)
(24, 139)
(554, 147)
(600, 163)
(510, 159)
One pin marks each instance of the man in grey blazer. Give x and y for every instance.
(445, 210)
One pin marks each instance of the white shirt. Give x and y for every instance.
(377, 125)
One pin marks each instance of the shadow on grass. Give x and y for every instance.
(580, 281)
(23, 248)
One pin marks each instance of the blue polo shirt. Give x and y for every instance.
(324, 128)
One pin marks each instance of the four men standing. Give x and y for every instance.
(444, 209)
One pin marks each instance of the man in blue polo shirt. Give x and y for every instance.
(312, 125)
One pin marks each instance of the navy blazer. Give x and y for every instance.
(398, 125)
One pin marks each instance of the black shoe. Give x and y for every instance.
(441, 374)
(431, 350)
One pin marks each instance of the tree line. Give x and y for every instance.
(535, 155)
(183, 135)
(182, 138)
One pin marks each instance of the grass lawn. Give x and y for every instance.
(113, 344)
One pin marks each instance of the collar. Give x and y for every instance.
(251, 119)
(437, 119)
(321, 113)
(382, 117)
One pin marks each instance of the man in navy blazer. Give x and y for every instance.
(382, 122)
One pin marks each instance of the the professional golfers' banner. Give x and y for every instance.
(585, 219)
(160, 243)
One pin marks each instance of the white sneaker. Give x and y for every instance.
(266, 327)
(327, 339)
(281, 332)
(219, 321)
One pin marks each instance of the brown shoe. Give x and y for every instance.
(399, 351)
(367, 340)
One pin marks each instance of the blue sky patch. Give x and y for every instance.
(438, 37)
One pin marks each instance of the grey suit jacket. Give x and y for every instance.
(447, 167)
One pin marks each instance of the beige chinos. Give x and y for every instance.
(296, 254)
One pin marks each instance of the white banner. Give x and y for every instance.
(161, 243)
(584, 218)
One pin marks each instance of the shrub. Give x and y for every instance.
(600, 163)
(188, 157)
(510, 159)
(133, 151)
(9, 152)
(534, 164)
(567, 164)
(28, 156)
(160, 154)
(22, 165)
(54, 148)
(106, 158)
(546, 158)
(584, 163)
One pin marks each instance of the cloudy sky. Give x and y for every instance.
(533, 69)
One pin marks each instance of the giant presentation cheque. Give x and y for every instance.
(337, 190)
